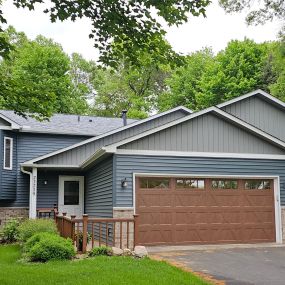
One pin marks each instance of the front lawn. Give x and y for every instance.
(100, 270)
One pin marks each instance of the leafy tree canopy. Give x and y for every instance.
(265, 10)
(35, 78)
(243, 66)
(121, 29)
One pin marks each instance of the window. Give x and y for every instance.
(150, 183)
(8, 153)
(257, 184)
(190, 183)
(224, 184)
(71, 192)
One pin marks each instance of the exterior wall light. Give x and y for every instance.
(45, 182)
(124, 183)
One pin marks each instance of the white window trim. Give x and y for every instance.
(11, 154)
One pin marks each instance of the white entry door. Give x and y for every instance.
(71, 195)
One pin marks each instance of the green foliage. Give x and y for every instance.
(79, 237)
(40, 79)
(31, 227)
(207, 80)
(123, 28)
(46, 246)
(129, 87)
(28, 245)
(103, 270)
(100, 250)
(257, 14)
(10, 231)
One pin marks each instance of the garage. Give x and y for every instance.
(195, 210)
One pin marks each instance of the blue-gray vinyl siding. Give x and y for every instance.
(205, 133)
(30, 146)
(79, 154)
(126, 165)
(261, 113)
(99, 189)
(47, 194)
(9, 177)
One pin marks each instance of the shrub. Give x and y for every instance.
(79, 237)
(46, 246)
(10, 232)
(30, 227)
(28, 245)
(101, 250)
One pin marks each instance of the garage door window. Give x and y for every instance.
(151, 183)
(224, 184)
(257, 184)
(190, 183)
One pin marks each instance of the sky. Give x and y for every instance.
(214, 31)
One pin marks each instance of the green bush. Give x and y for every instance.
(28, 245)
(101, 250)
(30, 227)
(10, 232)
(46, 246)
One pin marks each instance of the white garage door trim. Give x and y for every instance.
(276, 179)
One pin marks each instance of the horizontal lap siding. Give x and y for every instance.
(99, 189)
(126, 165)
(81, 153)
(8, 183)
(30, 146)
(47, 194)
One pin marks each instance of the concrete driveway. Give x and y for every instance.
(233, 264)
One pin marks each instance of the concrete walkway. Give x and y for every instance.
(259, 264)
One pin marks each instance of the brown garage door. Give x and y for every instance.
(193, 210)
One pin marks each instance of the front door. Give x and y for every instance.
(71, 195)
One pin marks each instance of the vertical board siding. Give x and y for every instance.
(30, 146)
(81, 153)
(126, 165)
(260, 113)
(99, 189)
(206, 133)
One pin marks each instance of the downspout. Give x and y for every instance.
(32, 196)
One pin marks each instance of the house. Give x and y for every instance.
(212, 176)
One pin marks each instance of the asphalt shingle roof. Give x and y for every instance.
(68, 124)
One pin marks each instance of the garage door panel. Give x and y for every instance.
(154, 199)
(205, 215)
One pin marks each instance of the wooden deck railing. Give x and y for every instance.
(88, 232)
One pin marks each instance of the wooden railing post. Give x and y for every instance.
(84, 232)
(63, 224)
(72, 234)
(135, 229)
(55, 211)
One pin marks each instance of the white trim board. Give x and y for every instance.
(227, 116)
(199, 154)
(276, 179)
(186, 110)
(11, 153)
(250, 94)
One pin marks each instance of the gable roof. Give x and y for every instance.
(257, 92)
(136, 123)
(219, 112)
(65, 124)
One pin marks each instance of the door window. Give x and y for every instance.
(71, 192)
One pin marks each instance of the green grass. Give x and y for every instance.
(101, 270)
